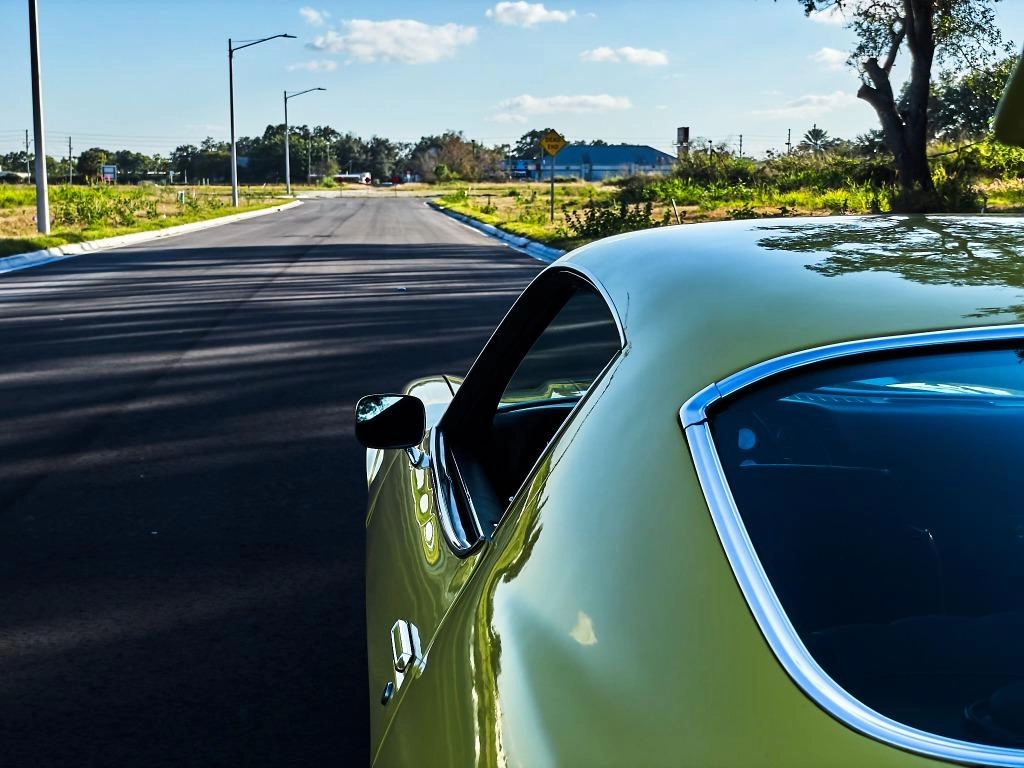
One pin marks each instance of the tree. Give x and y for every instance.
(350, 153)
(816, 140)
(945, 31)
(16, 161)
(528, 146)
(963, 104)
(384, 156)
(91, 162)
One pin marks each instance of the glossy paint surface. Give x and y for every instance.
(603, 625)
(410, 573)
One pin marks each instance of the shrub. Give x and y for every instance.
(595, 220)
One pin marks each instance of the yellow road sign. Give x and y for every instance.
(552, 142)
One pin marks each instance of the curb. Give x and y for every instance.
(61, 252)
(544, 253)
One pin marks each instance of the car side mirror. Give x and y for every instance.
(390, 421)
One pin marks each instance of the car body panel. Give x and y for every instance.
(410, 574)
(556, 655)
(602, 624)
(794, 284)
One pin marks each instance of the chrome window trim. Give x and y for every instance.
(780, 634)
(441, 478)
(588, 277)
(457, 540)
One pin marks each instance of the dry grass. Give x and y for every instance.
(82, 213)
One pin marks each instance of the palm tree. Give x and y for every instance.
(816, 140)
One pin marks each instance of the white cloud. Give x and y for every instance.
(523, 14)
(600, 54)
(402, 40)
(317, 65)
(314, 17)
(543, 105)
(830, 57)
(507, 118)
(811, 105)
(643, 56)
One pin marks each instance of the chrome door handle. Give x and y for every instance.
(405, 646)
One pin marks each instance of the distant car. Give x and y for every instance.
(738, 494)
(352, 178)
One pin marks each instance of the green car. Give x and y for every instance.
(738, 494)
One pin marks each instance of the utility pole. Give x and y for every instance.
(789, 140)
(741, 145)
(70, 166)
(42, 198)
(28, 165)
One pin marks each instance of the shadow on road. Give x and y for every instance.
(181, 498)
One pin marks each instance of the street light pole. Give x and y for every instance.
(287, 154)
(231, 106)
(42, 194)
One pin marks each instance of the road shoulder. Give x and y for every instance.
(58, 253)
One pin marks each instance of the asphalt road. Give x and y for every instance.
(181, 496)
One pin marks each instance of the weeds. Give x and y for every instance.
(595, 220)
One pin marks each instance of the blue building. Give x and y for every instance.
(595, 163)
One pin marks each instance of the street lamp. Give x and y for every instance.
(287, 156)
(42, 194)
(231, 102)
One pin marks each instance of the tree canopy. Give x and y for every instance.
(955, 34)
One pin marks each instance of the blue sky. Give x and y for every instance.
(149, 76)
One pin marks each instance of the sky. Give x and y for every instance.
(150, 76)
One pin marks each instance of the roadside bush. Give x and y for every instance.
(595, 220)
(92, 207)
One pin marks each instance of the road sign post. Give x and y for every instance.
(552, 143)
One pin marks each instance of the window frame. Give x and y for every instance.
(481, 385)
(757, 589)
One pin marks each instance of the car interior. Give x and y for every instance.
(883, 501)
(542, 359)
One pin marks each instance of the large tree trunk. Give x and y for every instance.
(906, 135)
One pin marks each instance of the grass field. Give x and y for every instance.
(524, 208)
(81, 213)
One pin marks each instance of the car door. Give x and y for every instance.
(433, 509)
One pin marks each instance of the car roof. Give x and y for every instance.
(713, 299)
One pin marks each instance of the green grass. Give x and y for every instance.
(92, 213)
(16, 195)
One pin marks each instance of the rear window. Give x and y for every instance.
(884, 500)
